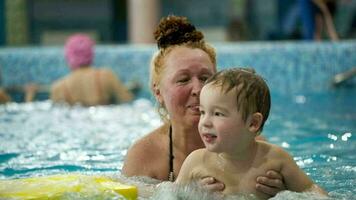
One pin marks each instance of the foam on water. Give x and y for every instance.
(39, 138)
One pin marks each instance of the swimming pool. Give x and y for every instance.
(312, 120)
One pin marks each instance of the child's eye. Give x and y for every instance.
(218, 114)
(202, 112)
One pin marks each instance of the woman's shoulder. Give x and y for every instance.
(147, 152)
(150, 143)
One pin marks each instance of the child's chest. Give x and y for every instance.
(239, 179)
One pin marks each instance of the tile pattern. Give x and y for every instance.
(288, 67)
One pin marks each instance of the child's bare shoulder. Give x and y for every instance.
(199, 153)
(273, 150)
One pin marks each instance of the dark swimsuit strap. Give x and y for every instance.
(171, 156)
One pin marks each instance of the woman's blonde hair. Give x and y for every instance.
(174, 31)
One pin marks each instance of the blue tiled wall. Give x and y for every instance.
(288, 67)
(292, 67)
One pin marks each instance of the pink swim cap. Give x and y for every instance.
(79, 50)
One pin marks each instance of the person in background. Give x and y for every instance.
(183, 63)
(234, 105)
(313, 16)
(29, 90)
(4, 97)
(324, 18)
(86, 85)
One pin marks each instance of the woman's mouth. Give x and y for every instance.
(195, 109)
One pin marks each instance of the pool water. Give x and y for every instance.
(40, 139)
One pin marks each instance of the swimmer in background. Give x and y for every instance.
(86, 85)
(29, 90)
(234, 105)
(4, 97)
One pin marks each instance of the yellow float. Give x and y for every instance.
(56, 186)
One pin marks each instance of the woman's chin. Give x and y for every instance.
(193, 120)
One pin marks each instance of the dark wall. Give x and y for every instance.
(2, 23)
(106, 18)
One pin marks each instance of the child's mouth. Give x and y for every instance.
(209, 137)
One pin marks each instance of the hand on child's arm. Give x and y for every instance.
(211, 184)
(270, 184)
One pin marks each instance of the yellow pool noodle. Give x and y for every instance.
(53, 187)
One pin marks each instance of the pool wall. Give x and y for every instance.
(288, 67)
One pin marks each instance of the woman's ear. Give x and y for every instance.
(255, 122)
(157, 93)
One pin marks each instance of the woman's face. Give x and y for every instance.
(185, 72)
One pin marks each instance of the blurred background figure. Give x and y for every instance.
(28, 90)
(42, 22)
(4, 97)
(326, 17)
(314, 16)
(86, 85)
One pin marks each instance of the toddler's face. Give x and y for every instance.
(221, 126)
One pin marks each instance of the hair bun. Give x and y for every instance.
(174, 30)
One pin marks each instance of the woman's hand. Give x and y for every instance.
(270, 184)
(211, 184)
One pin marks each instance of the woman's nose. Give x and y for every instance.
(197, 86)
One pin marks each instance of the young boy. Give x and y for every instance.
(234, 105)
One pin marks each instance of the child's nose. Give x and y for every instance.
(205, 120)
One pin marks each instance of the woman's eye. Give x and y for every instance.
(183, 80)
(204, 78)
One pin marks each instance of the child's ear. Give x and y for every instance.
(157, 93)
(255, 122)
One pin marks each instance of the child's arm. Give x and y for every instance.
(185, 175)
(191, 171)
(295, 178)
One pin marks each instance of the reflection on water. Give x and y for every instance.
(41, 139)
